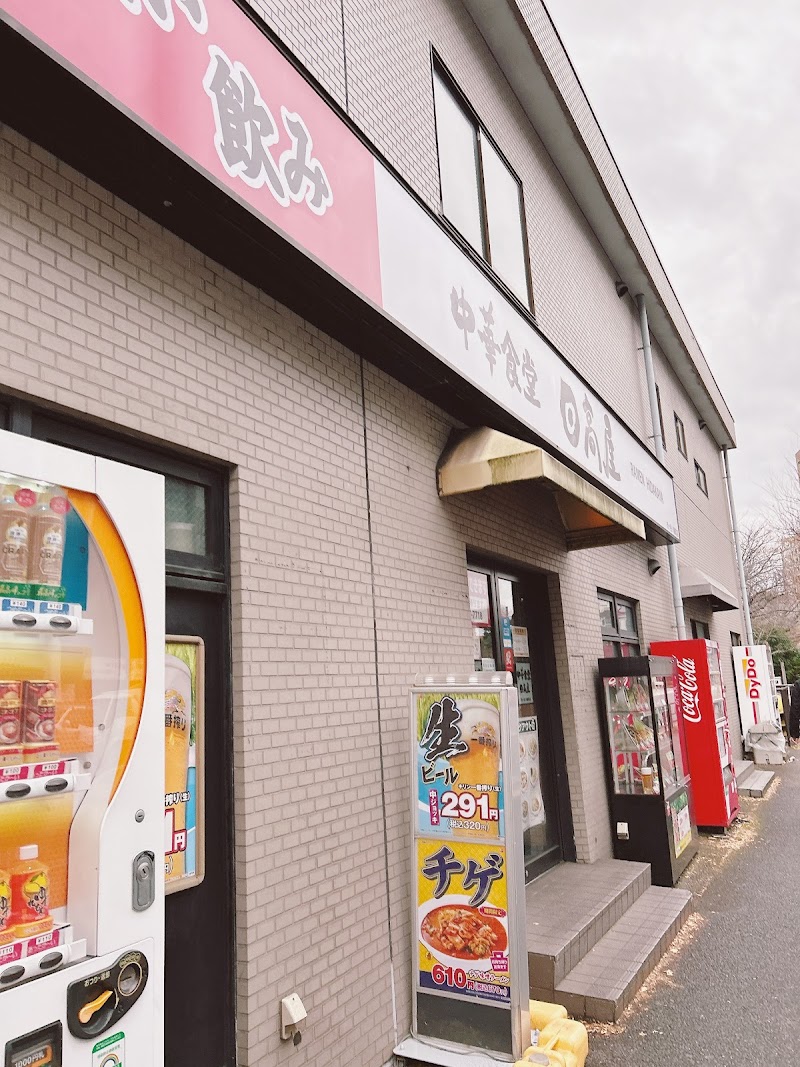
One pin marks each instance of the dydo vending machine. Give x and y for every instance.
(81, 759)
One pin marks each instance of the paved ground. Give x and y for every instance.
(729, 992)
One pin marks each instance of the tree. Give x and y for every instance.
(784, 651)
(771, 560)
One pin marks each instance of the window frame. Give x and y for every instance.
(616, 635)
(680, 435)
(700, 478)
(440, 71)
(697, 626)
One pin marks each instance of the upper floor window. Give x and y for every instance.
(680, 434)
(618, 625)
(700, 478)
(481, 194)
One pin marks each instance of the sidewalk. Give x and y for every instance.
(728, 993)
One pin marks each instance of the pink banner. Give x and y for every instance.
(201, 75)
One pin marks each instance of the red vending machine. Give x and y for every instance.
(705, 719)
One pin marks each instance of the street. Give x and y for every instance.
(727, 992)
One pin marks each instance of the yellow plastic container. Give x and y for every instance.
(543, 1013)
(566, 1036)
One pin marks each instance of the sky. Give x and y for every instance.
(699, 101)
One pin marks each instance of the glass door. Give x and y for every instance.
(511, 631)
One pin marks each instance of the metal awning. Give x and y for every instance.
(477, 459)
(696, 585)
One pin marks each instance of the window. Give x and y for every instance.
(700, 478)
(661, 419)
(700, 629)
(736, 640)
(481, 195)
(618, 625)
(680, 435)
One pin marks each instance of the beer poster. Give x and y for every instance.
(470, 978)
(459, 765)
(184, 855)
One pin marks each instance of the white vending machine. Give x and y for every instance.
(81, 759)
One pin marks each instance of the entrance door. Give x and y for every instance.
(199, 1002)
(512, 631)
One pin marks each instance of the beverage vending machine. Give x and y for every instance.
(81, 759)
(708, 738)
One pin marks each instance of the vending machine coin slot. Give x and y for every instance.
(98, 1001)
(40, 1048)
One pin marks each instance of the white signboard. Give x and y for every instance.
(530, 781)
(435, 292)
(752, 665)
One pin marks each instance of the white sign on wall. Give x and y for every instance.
(438, 295)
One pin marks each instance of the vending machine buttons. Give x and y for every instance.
(40, 1048)
(98, 1001)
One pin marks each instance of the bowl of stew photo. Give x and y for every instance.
(460, 935)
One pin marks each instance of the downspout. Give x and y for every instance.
(672, 554)
(737, 545)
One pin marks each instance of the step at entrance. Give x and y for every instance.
(594, 933)
(742, 768)
(605, 981)
(757, 783)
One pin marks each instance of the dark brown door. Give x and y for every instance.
(198, 991)
(512, 630)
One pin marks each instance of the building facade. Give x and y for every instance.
(256, 328)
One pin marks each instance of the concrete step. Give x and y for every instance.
(757, 783)
(743, 768)
(603, 983)
(569, 909)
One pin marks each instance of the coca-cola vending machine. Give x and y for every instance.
(706, 729)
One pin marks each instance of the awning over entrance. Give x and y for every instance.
(697, 585)
(476, 459)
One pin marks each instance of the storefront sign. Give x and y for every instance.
(234, 108)
(440, 296)
(533, 813)
(184, 846)
(468, 922)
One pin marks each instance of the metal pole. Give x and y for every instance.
(672, 554)
(737, 547)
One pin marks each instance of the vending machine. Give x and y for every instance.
(704, 712)
(652, 813)
(81, 759)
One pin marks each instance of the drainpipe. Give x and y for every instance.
(672, 554)
(737, 544)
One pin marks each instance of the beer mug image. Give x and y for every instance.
(479, 766)
(177, 732)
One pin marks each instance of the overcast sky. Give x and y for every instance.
(699, 103)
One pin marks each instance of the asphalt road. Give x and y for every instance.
(729, 993)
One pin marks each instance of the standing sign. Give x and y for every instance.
(468, 928)
(184, 846)
(752, 667)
